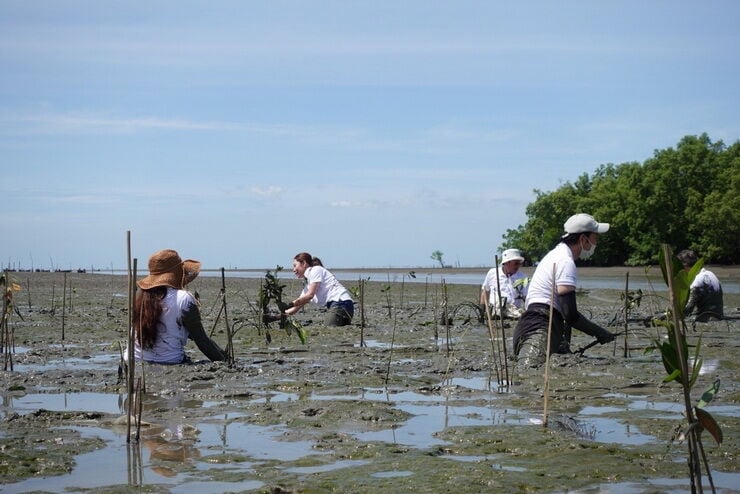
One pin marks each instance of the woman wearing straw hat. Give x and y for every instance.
(323, 289)
(166, 315)
(555, 280)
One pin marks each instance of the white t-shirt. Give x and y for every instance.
(169, 345)
(330, 290)
(540, 286)
(513, 288)
(704, 277)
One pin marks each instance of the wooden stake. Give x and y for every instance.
(626, 313)
(130, 333)
(547, 356)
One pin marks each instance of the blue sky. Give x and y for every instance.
(367, 133)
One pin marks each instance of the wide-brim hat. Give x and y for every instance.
(166, 268)
(511, 255)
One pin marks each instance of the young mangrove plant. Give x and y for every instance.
(7, 343)
(683, 369)
(271, 290)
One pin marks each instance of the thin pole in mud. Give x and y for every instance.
(501, 317)
(626, 314)
(390, 354)
(64, 306)
(446, 316)
(426, 290)
(130, 332)
(547, 355)
(28, 287)
(53, 286)
(361, 284)
(492, 335)
(436, 321)
(230, 344)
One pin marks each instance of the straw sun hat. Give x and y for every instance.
(166, 268)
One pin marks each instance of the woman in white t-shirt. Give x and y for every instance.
(321, 288)
(166, 315)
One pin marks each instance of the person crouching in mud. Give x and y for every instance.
(166, 315)
(321, 288)
(530, 336)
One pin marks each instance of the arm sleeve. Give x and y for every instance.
(576, 319)
(692, 302)
(191, 321)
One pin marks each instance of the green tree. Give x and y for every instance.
(437, 256)
(688, 197)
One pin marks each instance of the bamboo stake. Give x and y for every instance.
(141, 330)
(436, 319)
(362, 312)
(626, 312)
(130, 333)
(28, 286)
(547, 356)
(494, 354)
(446, 315)
(64, 304)
(503, 332)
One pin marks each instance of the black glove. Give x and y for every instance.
(283, 306)
(605, 336)
(268, 318)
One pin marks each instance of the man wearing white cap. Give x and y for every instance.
(555, 279)
(512, 284)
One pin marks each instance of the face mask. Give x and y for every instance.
(585, 254)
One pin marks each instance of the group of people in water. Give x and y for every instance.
(166, 315)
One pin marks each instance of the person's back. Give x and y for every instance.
(705, 298)
(705, 295)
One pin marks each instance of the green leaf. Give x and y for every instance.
(302, 334)
(672, 376)
(670, 359)
(695, 372)
(708, 394)
(708, 423)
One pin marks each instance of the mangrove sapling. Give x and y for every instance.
(272, 290)
(683, 369)
(229, 339)
(7, 334)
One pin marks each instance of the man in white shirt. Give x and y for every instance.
(555, 279)
(705, 292)
(510, 282)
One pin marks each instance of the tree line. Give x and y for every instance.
(687, 197)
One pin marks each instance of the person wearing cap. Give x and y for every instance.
(322, 288)
(705, 292)
(555, 279)
(508, 280)
(166, 315)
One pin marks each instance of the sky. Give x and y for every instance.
(369, 134)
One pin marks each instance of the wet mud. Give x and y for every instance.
(420, 407)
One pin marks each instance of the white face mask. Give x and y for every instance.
(587, 253)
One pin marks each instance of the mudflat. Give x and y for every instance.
(421, 406)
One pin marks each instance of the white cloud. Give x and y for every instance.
(269, 191)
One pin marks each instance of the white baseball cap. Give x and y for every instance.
(511, 255)
(584, 223)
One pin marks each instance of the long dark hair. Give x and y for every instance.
(308, 259)
(147, 309)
